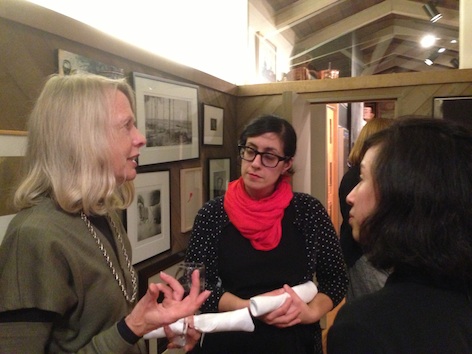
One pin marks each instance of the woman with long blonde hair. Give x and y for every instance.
(67, 283)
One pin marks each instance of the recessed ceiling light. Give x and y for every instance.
(453, 41)
(441, 50)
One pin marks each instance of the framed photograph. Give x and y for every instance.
(148, 218)
(167, 113)
(70, 63)
(212, 125)
(191, 196)
(266, 59)
(218, 176)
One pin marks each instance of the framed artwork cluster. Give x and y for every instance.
(167, 112)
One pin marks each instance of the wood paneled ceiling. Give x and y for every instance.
(376, 36)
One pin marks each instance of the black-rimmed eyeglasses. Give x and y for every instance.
(267, 159)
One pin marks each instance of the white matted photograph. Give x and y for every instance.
(212, 125)
(167, 113)
(219, 176)
(191, 196)
(71, 63)
(148, 217)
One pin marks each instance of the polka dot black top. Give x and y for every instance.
(309, 247)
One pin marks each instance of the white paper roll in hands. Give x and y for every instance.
(238, 320)
(260, 305)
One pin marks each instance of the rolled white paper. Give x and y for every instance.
(260, 305)
(238, 320)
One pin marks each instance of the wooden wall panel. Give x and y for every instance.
(412, 98)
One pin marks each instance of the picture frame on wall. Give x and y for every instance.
(12, 150)
(71, 63)
(191, 196)
(266, 59)
(219, 174)
(167, 113)
(148, 217)
(212, 125)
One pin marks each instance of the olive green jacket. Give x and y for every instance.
(50, 261)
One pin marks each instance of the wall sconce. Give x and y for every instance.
(432, 57)
(432, 11)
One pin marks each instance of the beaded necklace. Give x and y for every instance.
(110, 263)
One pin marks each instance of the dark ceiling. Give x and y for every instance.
(371, 36)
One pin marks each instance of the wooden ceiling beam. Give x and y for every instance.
(342, 28)
(363, 18)
(300, 11)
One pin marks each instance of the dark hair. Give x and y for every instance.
(272, 124)
(423, 179)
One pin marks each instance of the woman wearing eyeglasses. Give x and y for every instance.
(262, 238)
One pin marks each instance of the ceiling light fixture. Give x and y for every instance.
(432, 11)
(432, 57)
(428, 41)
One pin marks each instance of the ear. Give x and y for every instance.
(288, 165)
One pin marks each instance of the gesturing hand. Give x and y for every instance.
(149, 314)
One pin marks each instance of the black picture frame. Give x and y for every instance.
(167, 112)
(213, 125)
(148, 222)
(219, 176)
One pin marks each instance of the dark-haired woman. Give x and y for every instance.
(412, 212)
(262, 238)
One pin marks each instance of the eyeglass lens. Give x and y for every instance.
(267, 159)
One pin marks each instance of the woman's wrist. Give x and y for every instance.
(126, 332)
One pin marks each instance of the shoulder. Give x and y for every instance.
(212, 206)
(43, 216)
(41, 225)
(42, 232)
(213, 210)
(305, 201)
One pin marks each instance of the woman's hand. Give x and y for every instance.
(293, 311)
(148, 314)
(187, 340)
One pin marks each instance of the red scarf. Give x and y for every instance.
(260, 221)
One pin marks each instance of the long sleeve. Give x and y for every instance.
(203, 247)
(324, 252)
(32, 337)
